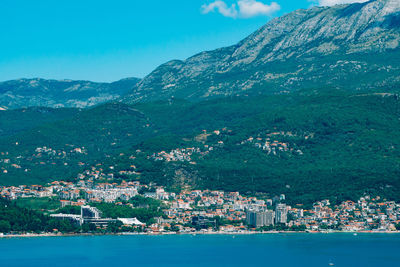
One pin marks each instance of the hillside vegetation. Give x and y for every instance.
(308, 145)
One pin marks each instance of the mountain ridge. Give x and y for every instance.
(285, 52)
(24, 92)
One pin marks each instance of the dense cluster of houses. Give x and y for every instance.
(182, 154)
(367, 214)
(203, 148)
(272, 146)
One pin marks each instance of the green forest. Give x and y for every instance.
(349, 144)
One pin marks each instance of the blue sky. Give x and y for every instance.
(109, 40)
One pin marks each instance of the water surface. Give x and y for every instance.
(205, 250)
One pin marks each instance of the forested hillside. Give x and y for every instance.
(308, 145)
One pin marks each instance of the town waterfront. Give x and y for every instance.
(339, 249)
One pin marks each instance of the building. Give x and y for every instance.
(88, 215)
(93, 215)
(203, 222)
(88, 212)
(281, 214)
(260, 218)
(130, 221)
(74, 219)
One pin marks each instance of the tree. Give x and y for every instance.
(5, 226)
(114, 227)
(174, 228)
(88, 227)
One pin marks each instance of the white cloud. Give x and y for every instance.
(251, 8)
(337, 2)
(222, 8)
(243, 8)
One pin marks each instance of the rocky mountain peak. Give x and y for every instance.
(262, 59)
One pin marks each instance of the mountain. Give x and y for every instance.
(355, 47)
(66, 93)
(352, 47)
(313, 112)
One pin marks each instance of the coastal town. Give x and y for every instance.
(206, 211)
(151, 208)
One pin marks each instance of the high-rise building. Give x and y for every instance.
(281, 213)
(88, 212)
(269, 217)
(260, 218)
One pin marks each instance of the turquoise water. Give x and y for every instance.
(212, 250)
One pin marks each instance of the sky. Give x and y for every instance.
(106, 40)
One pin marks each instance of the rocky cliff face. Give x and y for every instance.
(65, 93)
(345, 46)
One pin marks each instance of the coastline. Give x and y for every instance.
(192, 233)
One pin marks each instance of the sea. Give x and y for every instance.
(333, 249)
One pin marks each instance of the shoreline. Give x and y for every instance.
(193, 234)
